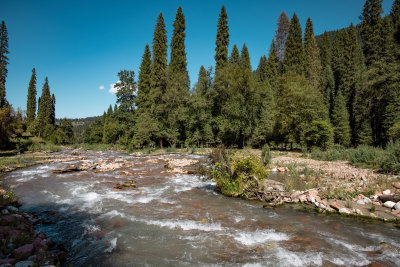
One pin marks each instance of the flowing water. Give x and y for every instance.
(179, 220)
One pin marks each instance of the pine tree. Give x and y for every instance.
(294, 51)
(45, 108)
(245, 58)
(326, 51)
(177, 93)
(222, 41)
(31, 103)
(53, 110)
(395, 15)
(272, 68)
(281, 37)
(235, 56)
(144, 101)
(328, 88)
(3, 63)
(340, 121)
(159, 75)
(371, 30)
(313, 66)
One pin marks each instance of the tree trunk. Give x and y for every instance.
(160, 140)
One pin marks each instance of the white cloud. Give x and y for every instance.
(112, 89)
(101, 87)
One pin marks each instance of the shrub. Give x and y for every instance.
(337, 152)
(390, 162)
(265, 155)
(366, 156)
(320, 135)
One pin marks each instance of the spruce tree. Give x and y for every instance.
(3, 63)
(395, 15)
(235, 56)
(31, 103)
(326, 51)
(53, 110)
(340, 120)
(272, 67)
(328, 88)
(144, 101)
(159, 75)
(126, 86)
(313, 66)
(245, 58)
(222, 41)
(177, 93)
(294, 51)
(281, 37)
(45, 108)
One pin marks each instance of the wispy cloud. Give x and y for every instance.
(101, 87)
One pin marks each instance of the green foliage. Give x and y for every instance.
(238, 176)
(31, 103)
(340, 121)
(265, 155)
(45, 109)
(280, 38)
(334, 153)
(320, 134)
(313, 65)
(390, 162)
(222, 41)
(3, 63)
(294, 60)
(366, 156)
(126, 90)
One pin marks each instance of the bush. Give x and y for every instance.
(265, 155)
(337, 152)
(366, 156)
(390, 163)
(320, 135)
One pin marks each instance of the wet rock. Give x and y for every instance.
(69, 168)
(23, 252)
(271, 185)
(12, 209)
(344, 211)
(389, 204)
(40, 244)
(5, 212)
(397, 206)
(336, 206)
(25, 264)
(41, 235)
(396, 212)
(274, 169)
(303, 198)
(357, 211)
(7, 261)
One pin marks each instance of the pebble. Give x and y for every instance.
(389, 204)
(397, 206)
(386, 192)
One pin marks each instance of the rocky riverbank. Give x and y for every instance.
(334, 187)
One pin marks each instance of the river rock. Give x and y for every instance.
(174, 163)
(397, 206)
(386, 192)
(12, 209)
(344, 210)
(364, 201)
(336, 206)
(389, 204)
(295, 196)
(396, 185)
(5, 262)
(25, 264)
(271, 185)
(23, 252)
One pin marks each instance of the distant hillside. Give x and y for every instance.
(80, 126)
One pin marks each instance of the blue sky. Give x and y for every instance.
(81, 45)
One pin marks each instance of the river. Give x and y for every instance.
(179, 220)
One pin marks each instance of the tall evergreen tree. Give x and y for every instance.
(177, 93)
(126, 88)
(395, 15)
(222, 41)
(3, 63)
(235, 55)
(144, 101)
(326, 50)
(340, 120)
(159, 74)
(245, 58)
(294, 51)
(328, 88)
(280, 37)
(53, 110)
(31, 102)
(45, 108)
(272, 67)
(312, 58)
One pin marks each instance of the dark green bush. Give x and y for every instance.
(366, 156)
(265, 155)
(390, 162)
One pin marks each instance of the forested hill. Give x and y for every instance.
(79, 125)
